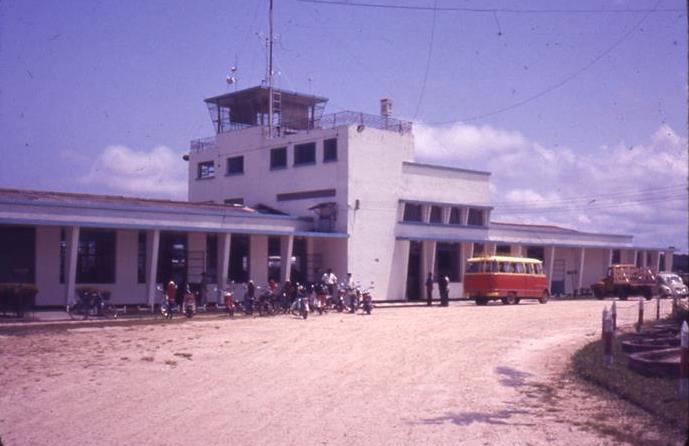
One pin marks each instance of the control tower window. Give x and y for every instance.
(305, 154)
(206, 169)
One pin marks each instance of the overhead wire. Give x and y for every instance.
(428, 63)
(492, 10)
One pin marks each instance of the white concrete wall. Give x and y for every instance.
(258, 259)
(375, 179)
(438, 184)
(260, 184)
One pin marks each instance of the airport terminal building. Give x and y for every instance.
(284, 191)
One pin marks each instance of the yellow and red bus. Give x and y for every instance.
(509, 279)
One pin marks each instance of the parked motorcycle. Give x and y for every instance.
(228, 299)
(189, 303)
(367, 300)
(300, 307)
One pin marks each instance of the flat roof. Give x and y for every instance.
(260, 93)
(450, 168)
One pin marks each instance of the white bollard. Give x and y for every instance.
(613, 312)
(640, 322)
(607, 337)
(684, 362)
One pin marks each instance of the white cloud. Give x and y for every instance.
(618, 188)
(158, 173)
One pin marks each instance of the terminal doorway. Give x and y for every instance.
(414, 271)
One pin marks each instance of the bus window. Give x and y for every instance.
(519, 268)
(492, 267)
(538, 268)
(529, 268)
(473, 267)
(505, 267)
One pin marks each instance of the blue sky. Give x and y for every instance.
(104, 96)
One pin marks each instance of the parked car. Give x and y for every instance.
(670, 285)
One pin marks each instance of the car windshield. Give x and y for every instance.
(673, 280)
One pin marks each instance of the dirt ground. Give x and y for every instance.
(471, 375)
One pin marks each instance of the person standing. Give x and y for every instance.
(429, 289)
(443, 283)
(330, 280)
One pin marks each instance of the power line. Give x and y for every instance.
(596, 197)
(564, 80)
(493, 10)
(428, 63)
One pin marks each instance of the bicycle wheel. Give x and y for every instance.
(78, 311)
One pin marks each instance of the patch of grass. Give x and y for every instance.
(659, 396)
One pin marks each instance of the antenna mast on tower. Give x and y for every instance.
(270, 70)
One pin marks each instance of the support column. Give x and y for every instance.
(446, 210)
(286, 246)
(656, 262)
(464, 216)
(610, 252)
(582, 257)
(644, 259)
(258, 259)
(71, 263)
(669, 259)
(224, 243)
(550, 258)
(152, 249)
(635, 256)
(428, 249)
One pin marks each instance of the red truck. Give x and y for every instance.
(626, 280)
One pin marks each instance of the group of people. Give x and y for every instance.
(286, 295)
(443, 289)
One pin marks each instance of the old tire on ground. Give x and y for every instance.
(511, 299)
(503, 300)
(544, 297)
(481, 301)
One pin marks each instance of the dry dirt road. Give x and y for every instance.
(471, 375)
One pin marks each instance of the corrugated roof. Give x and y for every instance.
(93, 200)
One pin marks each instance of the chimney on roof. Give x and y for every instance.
(386, 107)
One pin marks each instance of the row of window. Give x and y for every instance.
(413, 212)
(304, 155)
(504, 267)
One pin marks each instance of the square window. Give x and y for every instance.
(305, 154)
(412, 212)
(475, 217)
(330, 150)
(206, 169)
(278, 158)
(235, 165)
(436, 214)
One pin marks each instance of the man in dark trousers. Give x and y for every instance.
(429, 289)
(443, 282)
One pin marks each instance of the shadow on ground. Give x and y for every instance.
(510, 377)
(501, 417)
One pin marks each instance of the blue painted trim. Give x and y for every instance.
(34, 222)
(546, 245)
